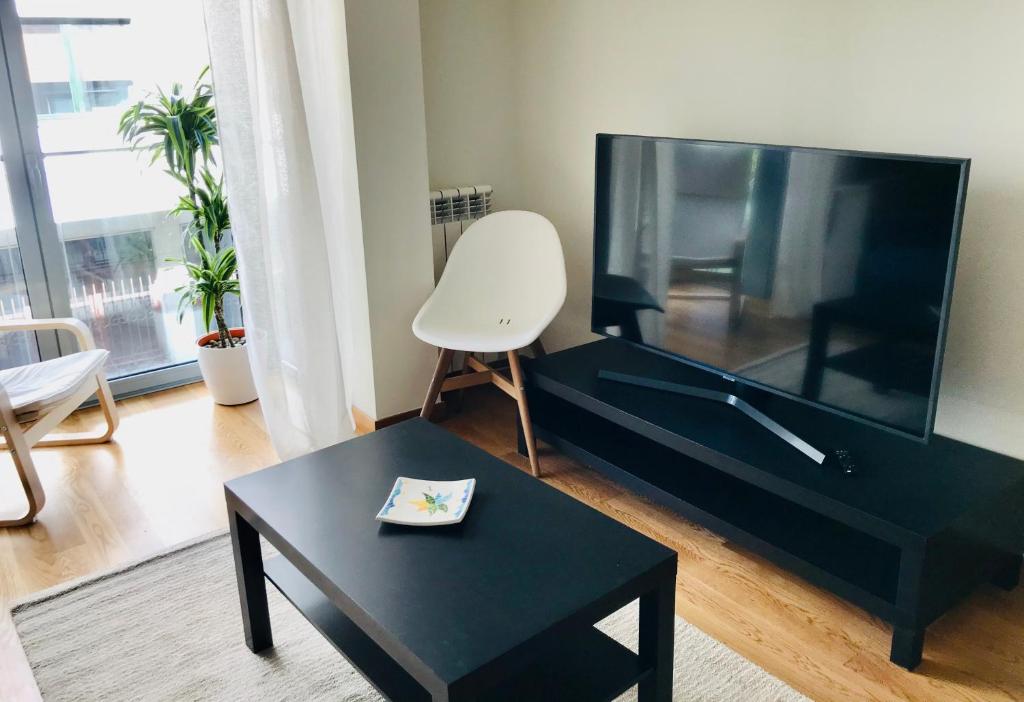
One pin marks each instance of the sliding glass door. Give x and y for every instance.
(84, 226)
(17, 348)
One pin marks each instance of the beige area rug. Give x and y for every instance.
(169, 628)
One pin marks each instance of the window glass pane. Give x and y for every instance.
(110, 208)
(88, 61)
(16, 348)
(75, 8)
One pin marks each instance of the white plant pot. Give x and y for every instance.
(226, 372)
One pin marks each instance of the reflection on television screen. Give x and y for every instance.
(816, 273)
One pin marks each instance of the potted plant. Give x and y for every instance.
(182, 130)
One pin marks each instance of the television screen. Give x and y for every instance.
(822, 275)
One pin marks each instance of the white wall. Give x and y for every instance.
(386, 76)
(918, 76)
(471, 120)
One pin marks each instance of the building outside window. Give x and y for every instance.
(105, 231)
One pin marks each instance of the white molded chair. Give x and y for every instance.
(503, 284)
(35, 398)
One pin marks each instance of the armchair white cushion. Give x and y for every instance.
(37, 397)
(39, 387)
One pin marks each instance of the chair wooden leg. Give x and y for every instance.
(538, 348)
(524, 411)
(21, 454)
(110, 416)
(106, 399)
(444, 360)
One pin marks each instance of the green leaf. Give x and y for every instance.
(209, 304)
(181, 128)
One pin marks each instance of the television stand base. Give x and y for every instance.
(744, 407)
(907, 646)
(919, 529)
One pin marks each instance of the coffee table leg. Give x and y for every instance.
(448, 695)
(657, 637)
(252, 587)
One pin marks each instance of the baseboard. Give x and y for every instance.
(365, 423)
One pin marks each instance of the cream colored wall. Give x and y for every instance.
(386, 76)
(471, 116)
(918, 76)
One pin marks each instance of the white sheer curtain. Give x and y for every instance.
(280, 72)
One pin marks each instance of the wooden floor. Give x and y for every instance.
(160, 484)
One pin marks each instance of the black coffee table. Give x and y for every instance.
(499, 607)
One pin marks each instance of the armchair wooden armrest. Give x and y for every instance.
(76, 327)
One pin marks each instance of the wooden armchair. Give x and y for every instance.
(35, 398)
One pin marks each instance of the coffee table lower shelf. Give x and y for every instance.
(592, 666)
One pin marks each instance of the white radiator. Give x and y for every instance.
(451, 211)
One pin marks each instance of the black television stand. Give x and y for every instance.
(917, 529)
(716, 396)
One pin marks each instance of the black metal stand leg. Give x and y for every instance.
(657, 636)
(1008, 576)
(252, 587)
(907, 646)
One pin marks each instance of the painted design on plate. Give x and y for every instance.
(391, 498)
(431, 504)
(470, 484)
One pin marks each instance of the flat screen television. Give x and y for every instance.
(821, 275)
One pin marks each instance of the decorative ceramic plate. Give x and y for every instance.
(416, 502)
